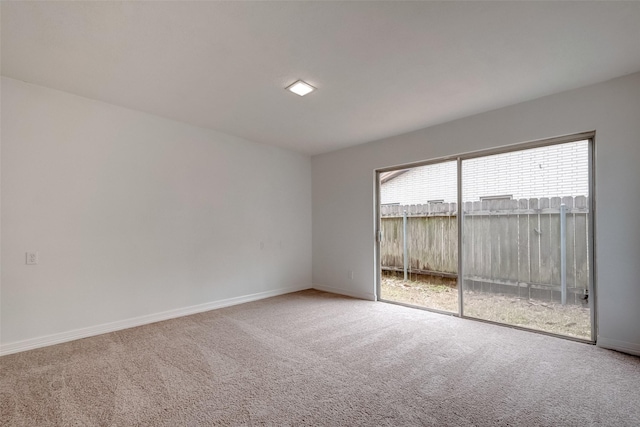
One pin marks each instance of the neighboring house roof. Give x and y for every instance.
(388, 176)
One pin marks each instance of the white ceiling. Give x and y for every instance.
(381, 68)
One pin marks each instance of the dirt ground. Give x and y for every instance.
(442, 294)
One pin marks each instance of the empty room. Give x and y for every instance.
(319, 213)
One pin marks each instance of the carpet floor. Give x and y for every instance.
(313, 358)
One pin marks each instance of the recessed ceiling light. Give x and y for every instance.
(301, 88)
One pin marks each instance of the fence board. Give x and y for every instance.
(571, 251)
(513, 242)
(468, 243)
(545, 242)
(452, 257)
(524, 266)
(582, 252)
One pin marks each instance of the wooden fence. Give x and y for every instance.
(509, 245)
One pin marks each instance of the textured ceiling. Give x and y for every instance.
(381, 68)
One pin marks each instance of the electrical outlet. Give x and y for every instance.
(32, 258)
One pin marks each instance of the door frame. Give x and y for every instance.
(590, 136)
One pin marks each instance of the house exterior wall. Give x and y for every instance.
(553, 171)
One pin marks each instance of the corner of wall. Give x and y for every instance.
(617, 345)
(360, 295)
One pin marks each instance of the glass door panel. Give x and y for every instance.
(419, 236)
(526, 233)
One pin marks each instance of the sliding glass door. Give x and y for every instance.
(419, 236)
(526, 238)
(525, 244)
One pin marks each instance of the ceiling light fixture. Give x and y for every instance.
(301, 88)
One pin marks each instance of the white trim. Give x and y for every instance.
(29, 344)
(360, 295)
(622, 346)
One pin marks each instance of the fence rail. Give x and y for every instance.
(513, 243)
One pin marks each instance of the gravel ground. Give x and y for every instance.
(442, 294)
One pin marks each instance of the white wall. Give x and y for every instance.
(343, 191)
(552, 171)
(422, 184)
(135, 215)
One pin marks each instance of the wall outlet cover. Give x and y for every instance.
(32, 258)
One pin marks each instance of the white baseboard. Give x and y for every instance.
(622, 346)
(33, 343)
(360, 295)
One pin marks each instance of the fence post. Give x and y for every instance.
(404, 242)
(563, 252)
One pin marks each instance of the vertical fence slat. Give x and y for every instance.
(469, 240)
(494, 242)
(545, 246)
(524, 267)
(512, 239)
(571, 271)
(535, 239)
(582, 243)
(581, 248)
(554, 240)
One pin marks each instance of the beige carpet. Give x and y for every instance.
(313, 358)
